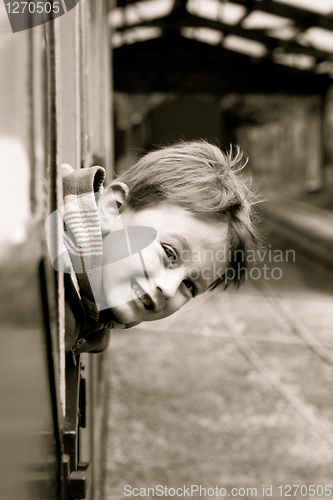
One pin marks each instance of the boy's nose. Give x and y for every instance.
(167, 287)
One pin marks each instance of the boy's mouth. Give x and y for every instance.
(142, 295)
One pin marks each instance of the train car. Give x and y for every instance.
(55, 107)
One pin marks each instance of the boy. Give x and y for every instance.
(138, 249)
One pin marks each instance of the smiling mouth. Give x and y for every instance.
(142, 295)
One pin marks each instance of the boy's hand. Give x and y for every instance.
(96, 331)
(98, 340)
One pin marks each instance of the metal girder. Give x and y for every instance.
(178, 5)
(270, 42)
(173, 43)
(302, 18)
(185, 65)
(124, 3)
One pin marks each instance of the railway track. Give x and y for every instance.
(236, 331)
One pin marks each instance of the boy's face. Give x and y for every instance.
(182, 262)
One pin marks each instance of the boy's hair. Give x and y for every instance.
(205, 181)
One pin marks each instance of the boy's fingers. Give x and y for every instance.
(112, 325)
(80, 346)
(97, 341)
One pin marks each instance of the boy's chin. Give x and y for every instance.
(110, 314)
(131, 324)
(124, 318)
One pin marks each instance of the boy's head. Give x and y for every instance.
(200, 207)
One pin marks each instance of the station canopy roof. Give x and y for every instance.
(222, 46)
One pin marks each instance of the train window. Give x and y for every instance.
(29, 443)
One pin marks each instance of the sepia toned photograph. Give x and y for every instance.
(166, 249)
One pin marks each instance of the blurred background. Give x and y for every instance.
(234, 390)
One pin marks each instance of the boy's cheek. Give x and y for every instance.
(117, 281)
(152, 257)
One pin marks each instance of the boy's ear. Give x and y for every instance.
(110, 203)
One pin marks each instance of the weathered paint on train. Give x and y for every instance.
(55, 107)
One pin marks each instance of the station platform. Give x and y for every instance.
(308, 228)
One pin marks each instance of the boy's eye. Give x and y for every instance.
(170, 253)
(191, 286)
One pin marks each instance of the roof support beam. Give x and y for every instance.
(302, 18)
(191, 66)
(258, 35)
